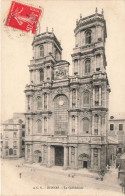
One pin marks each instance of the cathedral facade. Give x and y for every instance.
(67, 116)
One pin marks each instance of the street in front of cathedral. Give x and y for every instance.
(37, 179)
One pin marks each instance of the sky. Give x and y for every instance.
(61, 16)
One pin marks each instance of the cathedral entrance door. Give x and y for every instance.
(84, 164)
(59, 155)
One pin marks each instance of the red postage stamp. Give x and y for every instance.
(23, 17)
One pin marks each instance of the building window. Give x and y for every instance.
(87, 66)
(88, 37)
(73, 124)
(23, 133)
(96, 124)
(97, 95)
(95, 131)
(41, 75)
(75, 66)
(120, 127)
(86, 98)
(41, 51)
(73, 98)
(14, 134)
(14, 152)
(45, 100)
(39, 126)
(39, 102)
(85, 125)
(23, 126)
(15, 143)
(6, 134)
(23, 142)
(45, 125)
(111, 127)
(119, 150)
(10, 151)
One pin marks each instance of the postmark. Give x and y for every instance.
(23, 17)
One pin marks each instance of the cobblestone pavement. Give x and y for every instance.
(38, 180)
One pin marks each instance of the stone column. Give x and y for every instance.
(92, 158)
(99, 125)
(70, 98)
(25, 152)
(43, 101)
(93, 96)
(47, 100)
(49, 158)
(76, 97)
(31, 75)
(76, 158)
(31, 129)
(34, 76)
(100, 96)
(31, 153)
(47, 124)
(98, 158)
(42, 155)
(93, 124)
(65, 157)
(43, 126)
(76, 124)
(70, 156)
(70, 125)
(37, 76)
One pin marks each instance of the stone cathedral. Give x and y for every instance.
(67, 116)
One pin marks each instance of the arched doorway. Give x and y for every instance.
(84, 160)
(10, 151)
(61, 114)
(37, 156)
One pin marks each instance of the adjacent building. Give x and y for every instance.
(67, 116)
(117, 130)
(13, 134)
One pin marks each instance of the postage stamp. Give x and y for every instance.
(23, 17)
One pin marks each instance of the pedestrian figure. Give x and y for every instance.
(20, 174)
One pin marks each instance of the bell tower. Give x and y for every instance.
(89, 53)
(46, 52)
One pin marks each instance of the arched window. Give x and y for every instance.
(73, 98)
(86, 125)
(73, 124)
(39, 126)
(45, 125)
(41, 75)
(96, 124)
(97, 95)
(45, 100)
(86, 98)
(87, 66)
(75, 66)
(41, 51)
(39, 102)
(10, 151)
(88, 37)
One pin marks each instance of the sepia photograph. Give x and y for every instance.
(62, 98)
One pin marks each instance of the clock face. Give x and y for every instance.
(61, 102)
